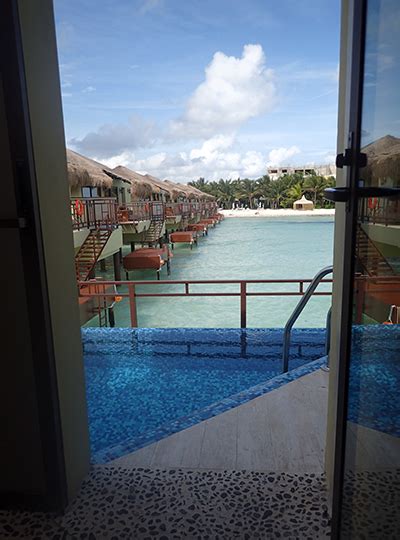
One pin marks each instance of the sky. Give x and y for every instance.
(200, 88)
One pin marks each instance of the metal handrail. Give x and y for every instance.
(297, 312)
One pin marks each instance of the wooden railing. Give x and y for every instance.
(172, 209)
(93, 213)
(132, 294)
(133, 212)
(157, 211)
(96, 212)
(380, 210)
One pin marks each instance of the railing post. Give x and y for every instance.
(243, 304)
(132, 305)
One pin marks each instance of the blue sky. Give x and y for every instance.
(183, 89)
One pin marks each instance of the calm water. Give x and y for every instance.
(241, 248)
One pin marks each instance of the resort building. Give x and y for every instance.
(306, 444)
(305, 170)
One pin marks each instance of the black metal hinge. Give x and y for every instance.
(347, 159)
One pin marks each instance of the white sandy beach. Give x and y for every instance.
(282, 212)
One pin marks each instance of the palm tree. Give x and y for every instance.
(199, 184)
(295, 192)
(247, 189)
(263, 188)
(315, 185)
(277, 192)
(226, 191)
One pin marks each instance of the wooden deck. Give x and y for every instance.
(283, 430)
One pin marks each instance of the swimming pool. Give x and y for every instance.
(375, 378)
(144, 384)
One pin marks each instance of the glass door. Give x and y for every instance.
(367, 470)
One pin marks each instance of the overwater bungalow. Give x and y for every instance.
(171, 199)
(96, 232)
(142, 218)
(90, 179)
(115, 207)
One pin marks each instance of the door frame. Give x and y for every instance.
(357, 25)
(29, 225)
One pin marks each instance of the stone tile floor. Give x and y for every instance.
(117, 503)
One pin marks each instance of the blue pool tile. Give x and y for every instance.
(145, 384)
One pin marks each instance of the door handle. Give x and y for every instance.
(342, 194)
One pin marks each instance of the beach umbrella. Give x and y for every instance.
(303, 204)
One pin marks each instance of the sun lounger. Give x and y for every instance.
(183, 237)
(201, 228)
(144, 261)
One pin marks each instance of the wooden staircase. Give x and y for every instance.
(90, 252)
(154, 232)
(369, 256)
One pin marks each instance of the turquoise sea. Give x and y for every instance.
(239, 248)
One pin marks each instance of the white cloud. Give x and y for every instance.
(329, 157)
(114, 139)
(150, 5)
(281, 155)
(212, 146)
(215, 158)
(234, 90)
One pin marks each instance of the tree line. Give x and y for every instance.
(279, 193)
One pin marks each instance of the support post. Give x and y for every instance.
(132, 305)
(360, 295)
(117, 266)
(243, 305)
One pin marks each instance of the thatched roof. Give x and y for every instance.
(383, 162)
(140, 186)
(83, 171)
(159, 184)
(199, 194)
(191, 192)
(176, 189)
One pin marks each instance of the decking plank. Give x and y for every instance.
(219, 449)
(283, 430)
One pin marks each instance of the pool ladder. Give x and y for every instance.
(297, 312)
